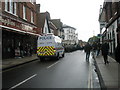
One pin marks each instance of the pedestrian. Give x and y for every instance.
(17, 52)
(87, 49)
(117, 53)
(94, 48)
(98, 48)
(21, 51)
(26, 51)
(31, 51)
(105, 50)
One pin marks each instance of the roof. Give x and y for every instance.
(42, 20)
(42, 17)
(57, 23)
(66, 26)
(52, 26)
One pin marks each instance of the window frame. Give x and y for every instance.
(32, 17)
(14, 8)
(6, 5)
(11, 7)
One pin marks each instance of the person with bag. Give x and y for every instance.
(105, 50)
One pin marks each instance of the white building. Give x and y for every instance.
(70, 35)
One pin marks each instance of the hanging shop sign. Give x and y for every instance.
(16, 25)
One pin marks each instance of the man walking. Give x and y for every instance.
(105, 49)
(87, 49)
(98, 48)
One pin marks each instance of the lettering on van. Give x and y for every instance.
(45, 38)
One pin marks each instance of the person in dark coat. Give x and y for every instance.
(94, 48)
(105, 50)
(98, 48)
(87, 49)
(117, 53)
(21, 50)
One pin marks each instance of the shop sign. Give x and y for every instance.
(28, 28)
(10, 23)
(7, 22)
(17, 25)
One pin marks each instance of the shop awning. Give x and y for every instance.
(12, 29)
(17, 30)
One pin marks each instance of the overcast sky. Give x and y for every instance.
(80, 14)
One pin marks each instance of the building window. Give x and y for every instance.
(32, 17)
(11, 6)
(6, 5)
(14, 8)
(24, 12)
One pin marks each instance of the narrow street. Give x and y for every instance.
(72, 71)
(64, 31)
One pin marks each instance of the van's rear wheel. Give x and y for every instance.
(41, 59)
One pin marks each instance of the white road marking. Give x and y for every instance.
(22, 82)
(52, 64)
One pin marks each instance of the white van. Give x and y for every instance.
(48, 46)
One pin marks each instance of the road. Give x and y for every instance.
(72, 71)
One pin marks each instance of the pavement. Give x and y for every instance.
(108, 74)
(10, 63)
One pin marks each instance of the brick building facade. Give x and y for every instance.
(18, 21)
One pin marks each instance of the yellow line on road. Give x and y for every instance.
(90, 82)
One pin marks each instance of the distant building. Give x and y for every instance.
(70, 35)
(81, 43)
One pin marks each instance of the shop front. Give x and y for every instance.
(18, 39)
(118, 31)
